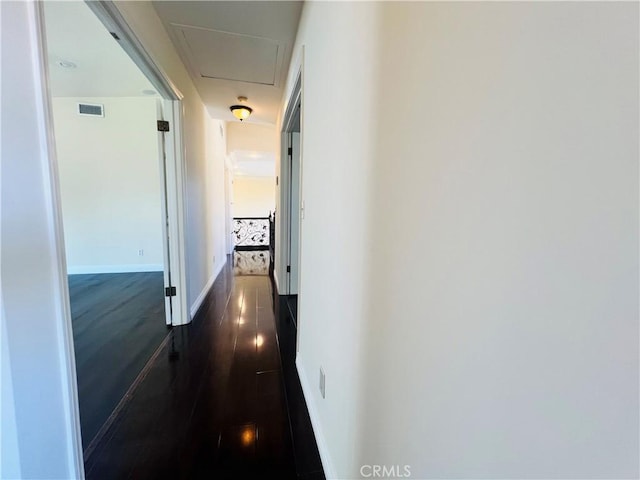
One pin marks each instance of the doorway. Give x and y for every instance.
(118, 149)
(291, 202)
(293, 263)
(114, 247)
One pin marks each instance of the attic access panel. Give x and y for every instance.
(230, 56)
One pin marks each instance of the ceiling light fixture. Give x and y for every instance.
(241, 112)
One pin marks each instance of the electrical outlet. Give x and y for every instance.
(140, 253)
(214, 259)
(322, 383)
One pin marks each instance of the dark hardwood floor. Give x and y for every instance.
(118, 322)
(292, 305)
(213, 403)
(307, 457)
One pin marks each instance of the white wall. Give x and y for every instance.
(253, 196)
(251, 137)
(339, 65)
(110, 185)
(215, 212)
(9, 451)
(40, 422)
(200, 228)
(228, 179)
(481, 247)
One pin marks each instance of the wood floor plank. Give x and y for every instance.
(200, 410)
(118, 322)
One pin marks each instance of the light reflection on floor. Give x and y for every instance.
(251, 262)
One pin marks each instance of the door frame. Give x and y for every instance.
(174, 229)
(109, 15)
(294, 190)
(44, 105)
(295, 99)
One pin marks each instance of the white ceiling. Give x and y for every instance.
(103, 69)
(235, 48)
(231, 48)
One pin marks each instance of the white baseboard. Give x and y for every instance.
(325, 458)
(135, 268)
(198, 302)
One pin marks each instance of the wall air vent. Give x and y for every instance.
(91, 109)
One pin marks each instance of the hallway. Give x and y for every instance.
(212, 401)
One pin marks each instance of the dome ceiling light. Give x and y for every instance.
(241, 112)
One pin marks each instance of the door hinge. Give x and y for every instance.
(163, 126)
(170, 292)
(290, 151)
(288, 268)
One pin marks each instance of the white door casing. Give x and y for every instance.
(294, 242)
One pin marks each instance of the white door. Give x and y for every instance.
(294, 210)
